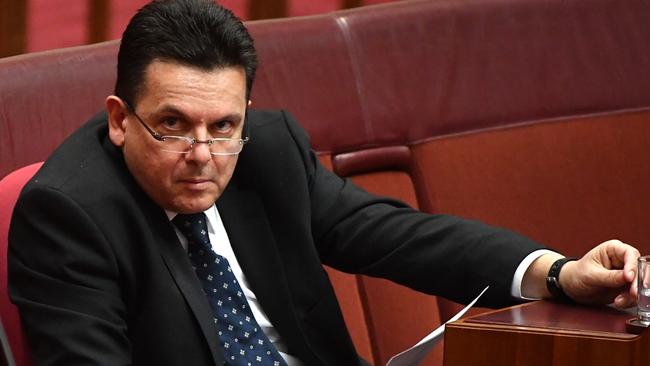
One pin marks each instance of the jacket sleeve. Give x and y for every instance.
(65, 281)
(358, 232)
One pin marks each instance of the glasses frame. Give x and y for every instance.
(192, 140)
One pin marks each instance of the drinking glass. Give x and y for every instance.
(643, 281)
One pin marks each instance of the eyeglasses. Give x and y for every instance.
(222, 146)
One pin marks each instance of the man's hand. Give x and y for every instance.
(604, 275)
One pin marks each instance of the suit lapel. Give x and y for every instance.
(183, 274)
(253, 242)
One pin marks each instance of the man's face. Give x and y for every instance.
(185, 101)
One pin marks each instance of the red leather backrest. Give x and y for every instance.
(45, 96)
(409, 71)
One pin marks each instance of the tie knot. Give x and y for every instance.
(193, 226)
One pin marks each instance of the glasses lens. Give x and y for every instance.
(220, 146)
(226, 146)
(176, 144)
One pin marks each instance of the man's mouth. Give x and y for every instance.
(196, 183)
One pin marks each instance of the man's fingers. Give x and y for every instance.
(623, 256)
(602, 277)
(630, 266)
(624, 300)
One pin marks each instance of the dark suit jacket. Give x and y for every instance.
(100, 277)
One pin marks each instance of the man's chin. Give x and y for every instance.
(194, 204)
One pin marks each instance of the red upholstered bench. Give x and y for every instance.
(529, 114)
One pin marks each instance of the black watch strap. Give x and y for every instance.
(553, 279)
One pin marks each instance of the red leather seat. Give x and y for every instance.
(10, 187)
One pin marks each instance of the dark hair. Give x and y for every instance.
(197, 33)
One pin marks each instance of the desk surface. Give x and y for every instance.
(558, 317)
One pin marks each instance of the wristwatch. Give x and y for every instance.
(553, 279)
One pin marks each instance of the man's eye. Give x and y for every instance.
(222, 126)
(170, 124)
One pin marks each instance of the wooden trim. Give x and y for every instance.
(98, 20)
(266, 9)
(346, 4)
(13, 27)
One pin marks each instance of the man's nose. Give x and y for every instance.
(200, 152)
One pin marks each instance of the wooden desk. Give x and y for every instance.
(545, 333)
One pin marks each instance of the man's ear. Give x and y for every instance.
(116, 120)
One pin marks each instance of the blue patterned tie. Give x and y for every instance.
(243, 341)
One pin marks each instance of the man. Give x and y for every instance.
(181, 228)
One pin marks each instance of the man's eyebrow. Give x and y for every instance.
(168, 108)
(234, 117)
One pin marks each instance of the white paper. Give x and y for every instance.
(414, 355)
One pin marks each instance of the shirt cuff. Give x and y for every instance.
(515, 289)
